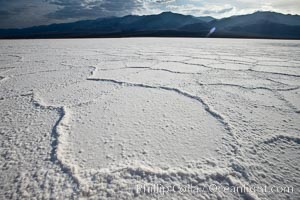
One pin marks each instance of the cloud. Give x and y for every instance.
(217, 11)
(18, 14)
(86, 9)
(203, 9)
(5, 13)
(165, 1)
(74, 9)
(284, 6)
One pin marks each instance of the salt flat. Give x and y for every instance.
(98, 118)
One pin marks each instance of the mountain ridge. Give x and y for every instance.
(262, 24)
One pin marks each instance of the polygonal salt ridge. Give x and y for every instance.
(128, 177)
(283, 137)
(140, 171)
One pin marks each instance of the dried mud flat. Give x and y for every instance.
(98, 118)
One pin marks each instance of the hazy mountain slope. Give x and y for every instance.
(201, 26)
(206, 18)
(268, 29)
(164, 21)
(257, 17)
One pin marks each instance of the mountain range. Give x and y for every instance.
(168, 24)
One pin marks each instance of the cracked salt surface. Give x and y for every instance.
(92, 119)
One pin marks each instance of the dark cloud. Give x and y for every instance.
(23, 13)
(74, 9)
(5, 13)
(8, 8)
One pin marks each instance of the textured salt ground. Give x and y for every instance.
(93, 118)
(27, 169)
(120, 133)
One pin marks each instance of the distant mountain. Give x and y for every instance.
(163, 21)
(259, 24)
(196, 27)
(258, 17)
(168, 24)
(267, 29)
(206, 18)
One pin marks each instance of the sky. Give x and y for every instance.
(26, 13)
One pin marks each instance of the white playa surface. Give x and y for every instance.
(97, 118)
